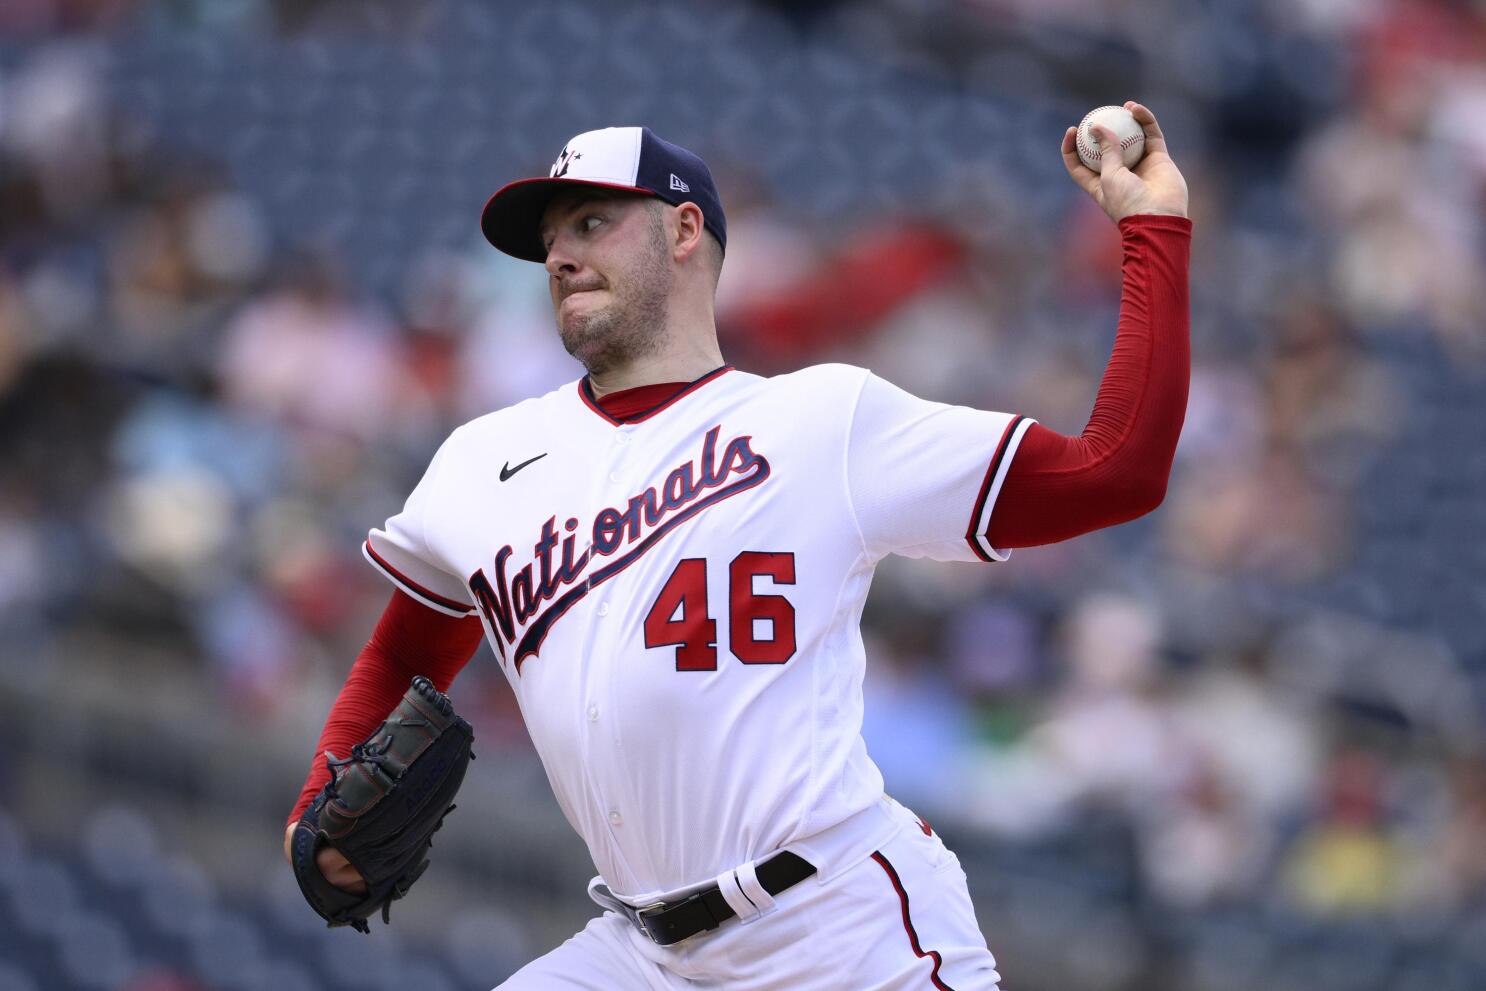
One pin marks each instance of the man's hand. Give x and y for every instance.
(1153, 186)
(332, 863)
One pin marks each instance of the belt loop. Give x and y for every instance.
(732, 893)
(753, 890)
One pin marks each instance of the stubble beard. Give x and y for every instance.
(632, 325)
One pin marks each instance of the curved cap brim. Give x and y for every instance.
(513, 215)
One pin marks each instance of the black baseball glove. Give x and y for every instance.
(382, 806)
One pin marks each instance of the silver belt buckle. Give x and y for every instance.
(639, 918)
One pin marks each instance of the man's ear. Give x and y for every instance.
(690, 229)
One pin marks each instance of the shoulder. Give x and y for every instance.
(468, 446)
(521, 419)
(832, 380)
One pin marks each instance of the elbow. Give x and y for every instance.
(1152, 495)
(1153, 492)
(1142, 496)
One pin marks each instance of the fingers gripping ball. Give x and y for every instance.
(1127, 131)
(382, 806)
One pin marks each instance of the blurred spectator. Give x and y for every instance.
(1463, 846)
(1406, 250)
(1201, 846)
(512, 350)
(1345, 861)
(1268, 519)
(913, 720)
(163, 980)
(1110, 729)
(1108, 738)
(1260, 744)
(308, 356)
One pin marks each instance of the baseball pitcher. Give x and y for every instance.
(669, 558)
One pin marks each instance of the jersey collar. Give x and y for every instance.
(585, 392)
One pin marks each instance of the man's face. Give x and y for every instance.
(609, 274)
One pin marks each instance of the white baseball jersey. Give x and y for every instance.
(676, 600)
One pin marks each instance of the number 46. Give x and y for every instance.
(680, 614)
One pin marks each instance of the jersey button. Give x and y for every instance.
(615, 818)
(621, 438)
(613, 476)
(603, 608)
(593, 714)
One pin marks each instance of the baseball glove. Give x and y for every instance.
(382, 806)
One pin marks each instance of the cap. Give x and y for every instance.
(628, 158)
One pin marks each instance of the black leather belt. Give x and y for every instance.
(671, 922)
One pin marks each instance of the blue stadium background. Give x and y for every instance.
(243, 296)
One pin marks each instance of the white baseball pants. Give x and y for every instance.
(900, 920)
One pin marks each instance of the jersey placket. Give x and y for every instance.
(604, 749)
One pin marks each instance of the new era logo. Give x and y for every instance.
(678, 185)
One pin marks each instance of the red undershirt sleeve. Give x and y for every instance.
(410, 639)
(1116, 470)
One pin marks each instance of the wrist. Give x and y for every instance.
(1156, 211)
(1156, 221)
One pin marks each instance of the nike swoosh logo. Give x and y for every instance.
(507, 471)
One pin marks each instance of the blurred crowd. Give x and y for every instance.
(1275, 684)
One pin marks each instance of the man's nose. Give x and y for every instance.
(560, 259)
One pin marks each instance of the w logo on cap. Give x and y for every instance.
(624, 158)
(560, 167)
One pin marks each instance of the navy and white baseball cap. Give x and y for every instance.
(627, 158)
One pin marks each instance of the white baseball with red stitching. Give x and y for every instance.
(1127, 132)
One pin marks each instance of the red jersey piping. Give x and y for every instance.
(918, 950)
(413, 586)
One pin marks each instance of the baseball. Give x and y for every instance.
(1127, 132)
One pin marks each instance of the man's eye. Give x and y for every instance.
(591, 221)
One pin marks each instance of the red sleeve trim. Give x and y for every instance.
(990, 487)
(427, 596)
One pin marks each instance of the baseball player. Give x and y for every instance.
(670, 557)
